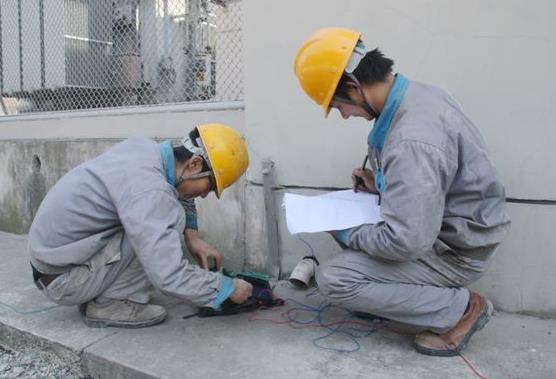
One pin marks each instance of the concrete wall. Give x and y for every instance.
(64, 141)
(495, 57)
(29, 168)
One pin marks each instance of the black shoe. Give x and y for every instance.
(368, 316)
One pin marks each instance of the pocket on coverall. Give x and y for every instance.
(82, 282)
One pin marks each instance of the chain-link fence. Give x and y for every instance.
(58, 55)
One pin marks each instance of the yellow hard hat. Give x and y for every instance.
(321, 61)
(227, 154)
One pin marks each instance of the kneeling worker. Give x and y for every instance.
(111, 226)
(442, 203)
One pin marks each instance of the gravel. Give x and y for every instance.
(34, 363)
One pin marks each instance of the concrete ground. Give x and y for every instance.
(511, 346)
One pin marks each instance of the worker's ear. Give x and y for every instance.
(354, 91)
(352, 86)
(195, 164)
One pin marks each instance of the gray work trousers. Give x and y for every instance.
(427, 293)
(112, 273)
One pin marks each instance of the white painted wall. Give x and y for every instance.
(165, 121)
(495, 57)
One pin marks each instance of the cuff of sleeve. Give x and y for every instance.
(343, 235)
(191, 222)
(226, 289)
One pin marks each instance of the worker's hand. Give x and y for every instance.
(336, 234)
(242, 291)
(201, 250)
(366, 177)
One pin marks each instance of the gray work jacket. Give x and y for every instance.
(123, 189)
(442, 190)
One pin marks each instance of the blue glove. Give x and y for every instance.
(342, 236)
(226, 290)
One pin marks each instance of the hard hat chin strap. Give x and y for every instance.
(200, 175)
(363, 104)
(194, 144)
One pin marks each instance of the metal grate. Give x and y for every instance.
(59, 55)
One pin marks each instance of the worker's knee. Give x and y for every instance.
(333, 280)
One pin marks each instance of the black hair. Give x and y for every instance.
(181, 154)
(373, 68)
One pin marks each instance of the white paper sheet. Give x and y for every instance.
(335, 210)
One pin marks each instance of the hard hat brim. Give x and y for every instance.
(338, 75)
(219, 141)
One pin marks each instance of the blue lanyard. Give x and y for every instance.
(377, 136)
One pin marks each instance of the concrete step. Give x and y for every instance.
(511, 346)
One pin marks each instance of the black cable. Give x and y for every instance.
(530, 201)
(295, 186)
(514, 200)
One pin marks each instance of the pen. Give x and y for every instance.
(358, 180)
(378, 172)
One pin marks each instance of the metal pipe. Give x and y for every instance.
(274, 266)
(166, 26)
(20, 39)
(1, 59)
(90, 40)
(41, 28)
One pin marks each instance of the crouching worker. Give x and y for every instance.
(111, 227)
(441, 201)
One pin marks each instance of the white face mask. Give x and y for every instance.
(193, 147)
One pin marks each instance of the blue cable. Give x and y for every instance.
(333, 331)
(338, 330)
(352, 333)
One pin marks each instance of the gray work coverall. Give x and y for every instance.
(444, 215)
(113, 224)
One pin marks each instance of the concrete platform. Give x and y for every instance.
(511, 346)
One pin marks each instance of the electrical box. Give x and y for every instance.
(55, 43)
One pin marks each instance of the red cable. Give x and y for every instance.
(290, 322)
(471, 366)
